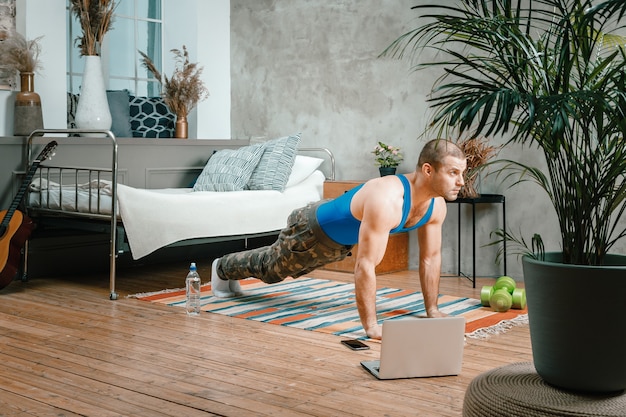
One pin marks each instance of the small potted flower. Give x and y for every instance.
(387, 158)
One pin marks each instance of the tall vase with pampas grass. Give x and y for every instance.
(95, 17)
(183, 90)
(92, 112)
(22, 56)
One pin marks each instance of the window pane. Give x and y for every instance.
(149, 9)
(69, 42)
(77, 60)
(76, 82)
(149, 42)
(124, 8)
(148, 88)
(122, 84)
(75, 63)
(122, 57)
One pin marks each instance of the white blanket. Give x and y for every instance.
(157, 218)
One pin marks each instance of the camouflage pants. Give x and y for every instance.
(301, 247)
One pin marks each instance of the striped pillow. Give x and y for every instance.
(275, 165)
(229, 169)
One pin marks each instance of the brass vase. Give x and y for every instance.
(181, 127)
(27, 115)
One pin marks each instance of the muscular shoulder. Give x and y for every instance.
(382, 191)
(439, 211)
(390, 182)
(379, 199)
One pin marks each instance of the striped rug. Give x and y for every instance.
(329, 306)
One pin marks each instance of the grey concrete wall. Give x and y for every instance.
(312, 66)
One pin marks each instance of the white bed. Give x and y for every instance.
(150, 219)
(159, 217)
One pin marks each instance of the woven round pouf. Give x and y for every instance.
(518, 391)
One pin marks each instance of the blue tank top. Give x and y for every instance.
(340, 225)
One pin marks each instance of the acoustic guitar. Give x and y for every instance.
(16, 226)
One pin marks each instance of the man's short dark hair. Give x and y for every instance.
(436, 150)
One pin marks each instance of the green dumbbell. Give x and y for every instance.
(519, 298)
(485, 294)
(501, 300)
(505, 282)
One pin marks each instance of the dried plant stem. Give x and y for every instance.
(19, 54)
(95, 17)
(477, 152)
(184, 89)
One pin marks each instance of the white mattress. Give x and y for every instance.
(156, 218)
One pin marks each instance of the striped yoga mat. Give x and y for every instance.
(329, 306)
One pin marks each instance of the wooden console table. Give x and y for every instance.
(397, 255)
(482, 199)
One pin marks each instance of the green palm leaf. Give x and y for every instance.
(549, 73)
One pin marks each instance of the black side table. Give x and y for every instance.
(482, 199)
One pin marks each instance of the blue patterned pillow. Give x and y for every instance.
(119, 106)
(229, 169)
(151, 118)
(275, 165)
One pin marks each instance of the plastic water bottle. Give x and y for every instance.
(192, 285)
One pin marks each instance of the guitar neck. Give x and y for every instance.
(19, 195)
(47, 151)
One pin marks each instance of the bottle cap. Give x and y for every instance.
(192, 266)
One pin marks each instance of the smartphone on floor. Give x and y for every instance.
(355, 344)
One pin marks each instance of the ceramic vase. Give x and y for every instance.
(93, 111)
(27, 115)
(387, 171)
(181, 128)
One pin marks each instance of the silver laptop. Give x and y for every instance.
(423, 347)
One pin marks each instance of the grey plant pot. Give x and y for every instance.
(577, 319)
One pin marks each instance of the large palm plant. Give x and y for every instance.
(547, 73)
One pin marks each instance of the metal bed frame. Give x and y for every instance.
(117, 241)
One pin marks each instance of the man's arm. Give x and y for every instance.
(371, 251)
(429, 238)
(380, 211)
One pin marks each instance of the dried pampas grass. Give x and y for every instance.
(184, 89)
(95, 17)
(20, 55)
(478, 152)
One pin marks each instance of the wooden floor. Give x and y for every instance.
(67, 350)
